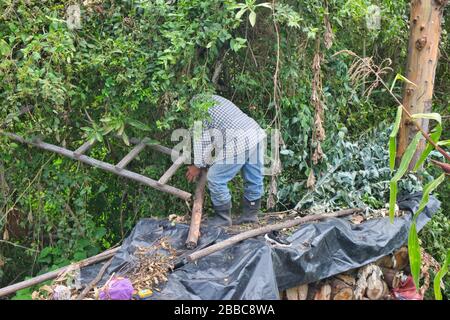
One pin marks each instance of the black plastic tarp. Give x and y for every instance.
(256, 270)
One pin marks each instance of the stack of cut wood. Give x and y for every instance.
(370, 282)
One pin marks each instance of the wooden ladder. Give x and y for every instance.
(119, 168)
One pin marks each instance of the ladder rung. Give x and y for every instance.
(171, 171)
(83, 148)
(130, 156)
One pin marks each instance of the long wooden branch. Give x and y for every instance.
(197, 210)
(54, 274)
(103, 165)
(263, 230)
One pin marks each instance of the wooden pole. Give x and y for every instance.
(197, 210)
(263, 230)
(54, 274)
(423, 51)
(103, 165)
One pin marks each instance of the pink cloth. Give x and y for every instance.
(407, 291)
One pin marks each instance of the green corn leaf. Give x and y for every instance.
(406, 159)
(400, 77)
(426, 193)
(393, 138)
(429, 147)
(439, 276)
(431, 116)
(415, 259)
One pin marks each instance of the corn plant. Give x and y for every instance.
(433, 141)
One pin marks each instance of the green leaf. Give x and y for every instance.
(432, 116)
(426, 193)
(252, 18)
(265, 4)
(393, 138)
(429, 147)
(240, 13)
(439, 276)
(139, 125)
(406, 159)
(415, 260)
(400, 77)
(5, 49)
(444, 143)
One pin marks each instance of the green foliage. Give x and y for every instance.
(131, 71)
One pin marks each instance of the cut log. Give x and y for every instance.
(386, 262)
(297, 293)
(340, 290)
(375, 287)
(369, 283)
(197, 210)
(392, 277)
(344, 294)
(401, 258)
(324, 292)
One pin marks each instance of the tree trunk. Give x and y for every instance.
(425, 32)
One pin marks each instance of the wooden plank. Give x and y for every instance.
(130, 156)
(56, 273)
(171, 171)
(83, 148)
(103, 165)
(197, 210)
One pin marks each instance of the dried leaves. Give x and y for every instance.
(362, 70)
(152, 264)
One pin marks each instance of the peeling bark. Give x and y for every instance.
(423, 52)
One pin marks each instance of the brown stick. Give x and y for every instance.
(197, 209)
(103, 165)
(95, 281)
(260, 231)
(54, 274)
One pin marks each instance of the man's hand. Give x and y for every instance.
(192, 173)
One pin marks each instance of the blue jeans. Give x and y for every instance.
(251, 166)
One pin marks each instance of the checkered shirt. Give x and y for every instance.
(226, 135)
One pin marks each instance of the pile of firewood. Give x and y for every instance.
(374, 281)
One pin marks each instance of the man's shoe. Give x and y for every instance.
(222, 216)
(250, 210)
